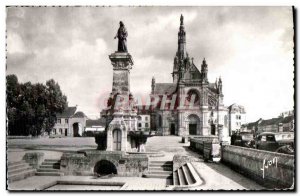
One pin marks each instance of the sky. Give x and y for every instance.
(251, 48)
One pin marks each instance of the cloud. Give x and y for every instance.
(250, 47)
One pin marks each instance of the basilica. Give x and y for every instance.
(190, 105)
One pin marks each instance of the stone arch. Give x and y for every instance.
(193, 124)
(77, 129)
(193, 94)
(105, 167)
(117, 139)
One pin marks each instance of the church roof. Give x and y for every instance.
(164, 88)
(97, 122)
(67, 113)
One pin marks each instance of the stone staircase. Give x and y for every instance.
(160, 169)
(19, 170)
(186, 177)
(50, 167)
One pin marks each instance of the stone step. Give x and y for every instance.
(49, 174)
(175, 178)
(50, 166)
(160, 172)
(49, 163)
(18, 170)
(17, 166)
(47, 170)
(163, 176)
(15, 163)
(165, 168)
(52, 160)
(181, 178)
(22, 175)
(187, 175)
(160, 164)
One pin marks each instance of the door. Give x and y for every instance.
(66, 132)
(213, 129)
(117, 140)
(172, 129)
(192, 129)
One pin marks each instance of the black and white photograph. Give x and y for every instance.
(150, 98)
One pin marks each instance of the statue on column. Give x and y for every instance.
(122, 35)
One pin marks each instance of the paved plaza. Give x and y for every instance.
(214, 175)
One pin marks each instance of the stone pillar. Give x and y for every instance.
(122, 63)
(121, 117)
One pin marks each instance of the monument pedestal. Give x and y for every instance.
(122, 111)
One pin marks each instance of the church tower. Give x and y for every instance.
(181, 54)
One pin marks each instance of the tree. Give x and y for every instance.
(32, 108)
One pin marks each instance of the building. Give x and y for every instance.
(94, 126)
(190, 105)
(251, 127)
(280, 124)
(236, 118)
(143, 118)
(69, 123)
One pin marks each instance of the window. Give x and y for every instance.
(270, 138)
(146, 118)
(140, 125)
(60, 130)
(146, 125)
(66, 121)
(58, 120)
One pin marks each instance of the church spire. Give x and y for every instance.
(181, 52)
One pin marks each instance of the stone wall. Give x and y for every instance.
(273, 170)
(197, 143)
(179, 160)
(83, 163)
(35, 159)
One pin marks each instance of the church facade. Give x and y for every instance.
(190, 105)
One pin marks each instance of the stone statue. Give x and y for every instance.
(122, 35)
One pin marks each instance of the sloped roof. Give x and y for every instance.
(68, 112)
(271, 121)
(79, 114)
(235, 107)
(164, 88)
(288, 119)
(98, 122)
(212, 88)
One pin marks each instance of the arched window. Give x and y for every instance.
(193, 98)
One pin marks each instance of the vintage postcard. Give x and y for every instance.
(105, 98)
